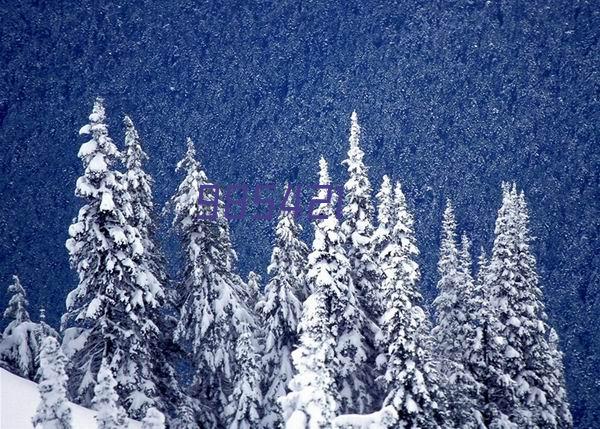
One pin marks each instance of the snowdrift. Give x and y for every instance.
(19, 399)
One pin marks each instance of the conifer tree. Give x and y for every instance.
(20, 345)
(108, 313)
(212, 308)
(162, 349)
(522, 392)
(456, 330)
(153, 419)
(411, 377)
(53, 411)
(318, 379)
(358, 232)
(16, 311)
(106, 400)
(279, 311)
(245, 404)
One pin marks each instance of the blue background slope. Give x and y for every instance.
(453, 96)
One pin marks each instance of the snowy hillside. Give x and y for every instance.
(19, 399)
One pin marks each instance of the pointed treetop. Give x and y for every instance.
(189, 162)
(98, 114)
(42, 314)
(323, 172)
(399, 197)
(354, 130)
(466, 261)
(135, 155)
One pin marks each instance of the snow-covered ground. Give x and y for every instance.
(19, 399)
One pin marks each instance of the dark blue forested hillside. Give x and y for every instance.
(453, 98)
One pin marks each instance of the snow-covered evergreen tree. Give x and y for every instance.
(153, 419)
(212, 308)
(20, 345)
(279, 311)
(108, 314)
(106, 400)
(322, 361)
(311, 403)
(16, 311)
(411, 377)
(162, 348)
(358, 232)
(53, 411)
(522, 393)
(456, 331)
(245, 405)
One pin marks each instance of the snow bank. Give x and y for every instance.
(19, 399)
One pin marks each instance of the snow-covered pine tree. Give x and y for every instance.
(139, 185)
(456, 331)
(16, 311)
(53, 411)
(108, 313)
(245, 404)
(411, 377)
(212, 308)
(106, 400)
(358, 233)
(279, 312)
(153, 419)
(522, 390)
(20, 345)
(320, 374)
(162, 349)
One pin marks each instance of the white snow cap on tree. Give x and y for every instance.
(153, 419)
(53, 411)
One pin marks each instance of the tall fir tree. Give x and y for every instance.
(411, 378)
(16, 311)
(21, 340)
(524, 390)
(108, 313)
(109, 415)
(279, 312)
(456, 332)
(245, 404)
(330, 334)
(358, 232)
(163, 351)
(212, 307)
(53, 410)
